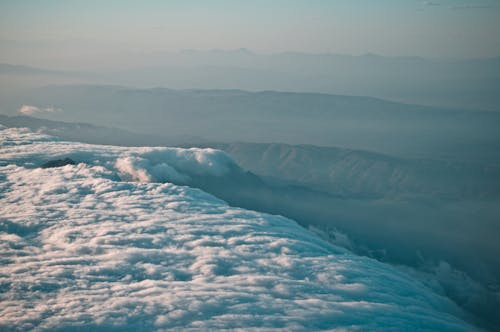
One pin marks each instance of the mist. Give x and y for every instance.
(470, 84)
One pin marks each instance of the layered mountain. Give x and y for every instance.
(455, 83)
(268, 116)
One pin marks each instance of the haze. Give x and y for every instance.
(132, 130)
(88, 34)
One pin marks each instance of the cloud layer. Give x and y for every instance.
(80, 247)
(142, 164)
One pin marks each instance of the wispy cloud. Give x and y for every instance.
(450, 5)
(466, 7)
(430, 3)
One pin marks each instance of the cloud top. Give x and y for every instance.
(142, 164)
(82, 248)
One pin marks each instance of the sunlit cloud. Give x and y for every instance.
(31, 110)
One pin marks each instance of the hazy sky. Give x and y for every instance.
(38, 31)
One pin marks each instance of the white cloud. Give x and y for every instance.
(30, 110)
(140, 169)
(82, 248)
(142, 164)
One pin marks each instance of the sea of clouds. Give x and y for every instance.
(111, 244)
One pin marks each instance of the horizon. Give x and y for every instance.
(251, 52)
(85, 33)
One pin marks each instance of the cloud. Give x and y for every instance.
(82, 248)
(30, 110)
(141, 170)
(142, 164)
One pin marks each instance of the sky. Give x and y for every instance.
(34, 32)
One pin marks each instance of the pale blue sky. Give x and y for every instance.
(439, 28)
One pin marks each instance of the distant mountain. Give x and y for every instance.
(269, 116)
(451, 83)
(84, 132)
(8, 69)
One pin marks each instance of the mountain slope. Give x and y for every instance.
(102, 246)
(363, 173)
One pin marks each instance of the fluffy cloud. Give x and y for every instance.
(30, 110)
(140, 169)
(143, 164)
(82, 248)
